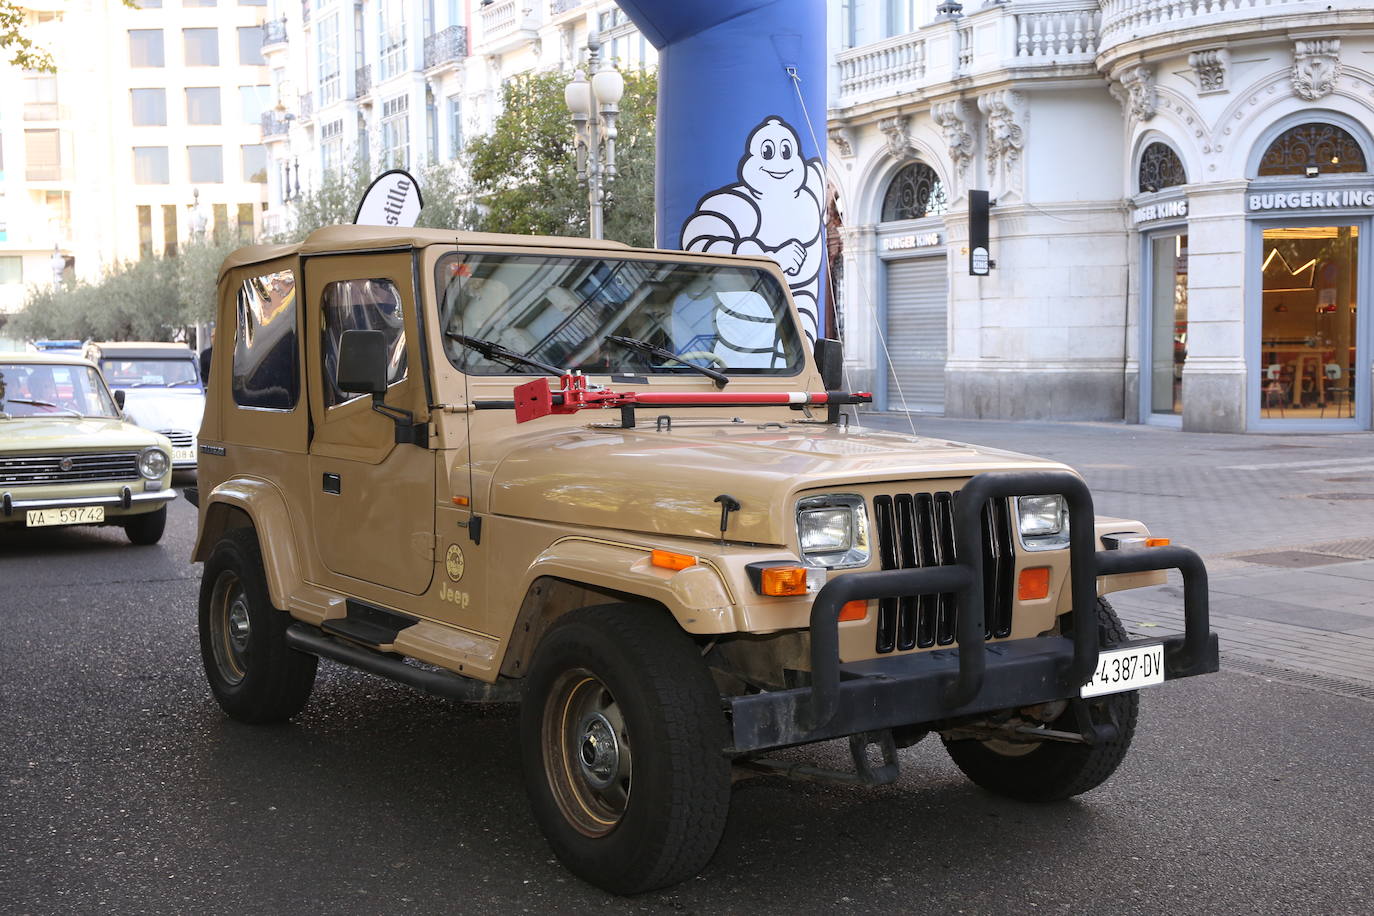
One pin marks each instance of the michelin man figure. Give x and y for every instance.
(774, 209)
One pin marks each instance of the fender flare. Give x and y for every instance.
(265, 507)
(698, 597)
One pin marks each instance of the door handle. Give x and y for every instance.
(333, 484)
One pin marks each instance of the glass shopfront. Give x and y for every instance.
(1168, 331)
(1309, 332)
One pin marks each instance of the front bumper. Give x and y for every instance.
(977, 676)
(125, 499)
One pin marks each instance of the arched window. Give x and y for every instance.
(1160, 168)
(914, 193)
(1325, 147)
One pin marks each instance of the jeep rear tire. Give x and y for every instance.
(622, 740)
(146, 528)
(253, 674)
(1048, 771)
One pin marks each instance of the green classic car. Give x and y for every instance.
(67, 457)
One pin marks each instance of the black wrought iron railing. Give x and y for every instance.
(449, 45)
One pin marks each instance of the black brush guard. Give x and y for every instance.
(976, 676)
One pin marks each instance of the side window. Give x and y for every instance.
(265, 362)
(360, 305)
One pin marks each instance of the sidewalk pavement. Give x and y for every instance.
(1284, 522)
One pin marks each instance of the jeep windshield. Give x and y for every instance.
(146, 372)
(560, 310)
(52, 390)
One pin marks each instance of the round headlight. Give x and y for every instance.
(153, 463)
(833, 531)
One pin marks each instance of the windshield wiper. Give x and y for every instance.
(75, 413)
(492, 350)
(643, 346)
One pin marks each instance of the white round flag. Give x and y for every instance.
(392, 200)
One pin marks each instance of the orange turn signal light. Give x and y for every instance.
(853, 610)
(666, 560)
(783, 580)
(1033, 584)
(460, 500)
(1156, 542)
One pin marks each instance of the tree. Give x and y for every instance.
(523, 174)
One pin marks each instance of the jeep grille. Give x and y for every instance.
(917, 530)
(21, 469)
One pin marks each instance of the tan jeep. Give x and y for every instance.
(619, 485)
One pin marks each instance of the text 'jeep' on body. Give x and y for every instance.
(618, 484)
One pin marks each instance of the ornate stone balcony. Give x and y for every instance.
(274, 126)
(1134, 27)
(362, 82)
(1053, 38)
(446, 48)
(507, 24)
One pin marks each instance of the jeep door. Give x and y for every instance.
(372, 499)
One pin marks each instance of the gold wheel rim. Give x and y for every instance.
(586, 752)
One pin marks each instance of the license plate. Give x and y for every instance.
(1126, 669)
(76, 515)
(184, 454)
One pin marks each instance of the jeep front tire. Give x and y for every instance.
(622, 740)
(255, 676)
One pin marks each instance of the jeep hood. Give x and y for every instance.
(61, 434)
(666, 482)
(165, 408)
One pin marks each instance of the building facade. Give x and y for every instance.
(148, 131)
(1182, 195)
(400, 83)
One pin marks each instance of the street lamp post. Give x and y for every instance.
(593, 105)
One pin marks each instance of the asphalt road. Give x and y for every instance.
(123, 789)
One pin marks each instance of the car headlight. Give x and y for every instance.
(833, 531)
(1043, 522)
(152, 463)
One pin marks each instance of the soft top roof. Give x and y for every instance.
(31, 357)
(143, 350)
(350, 238)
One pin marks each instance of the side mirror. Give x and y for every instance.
(829, 355)
(362, 363)
(119, 396)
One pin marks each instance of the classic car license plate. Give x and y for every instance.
(184, 454)
(1126, 669)
(76, 515)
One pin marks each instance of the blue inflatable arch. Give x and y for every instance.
(741, 132)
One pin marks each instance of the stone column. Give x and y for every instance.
(1214, 392)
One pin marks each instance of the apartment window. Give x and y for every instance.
(58, 208)
(254, 163)
(221, 218)
(254, 100)
(396, 133)
(148, 4)
(205, 164)
(195, 3)
(145, 48)
(149, 107)
(899, 17)
(11, 270)
(245, 221)
(40, 98)
(43, 154)
(455, 127)
(202, 106)
(431, 128)
(169, 230)
(202, 47)
(327, 43)
(392, 32)
(250, 46)
(252, 2)
(150, 165)
(331, 146)
(145, 231)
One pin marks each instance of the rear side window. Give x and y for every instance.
(360, 305)
(266, 367)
